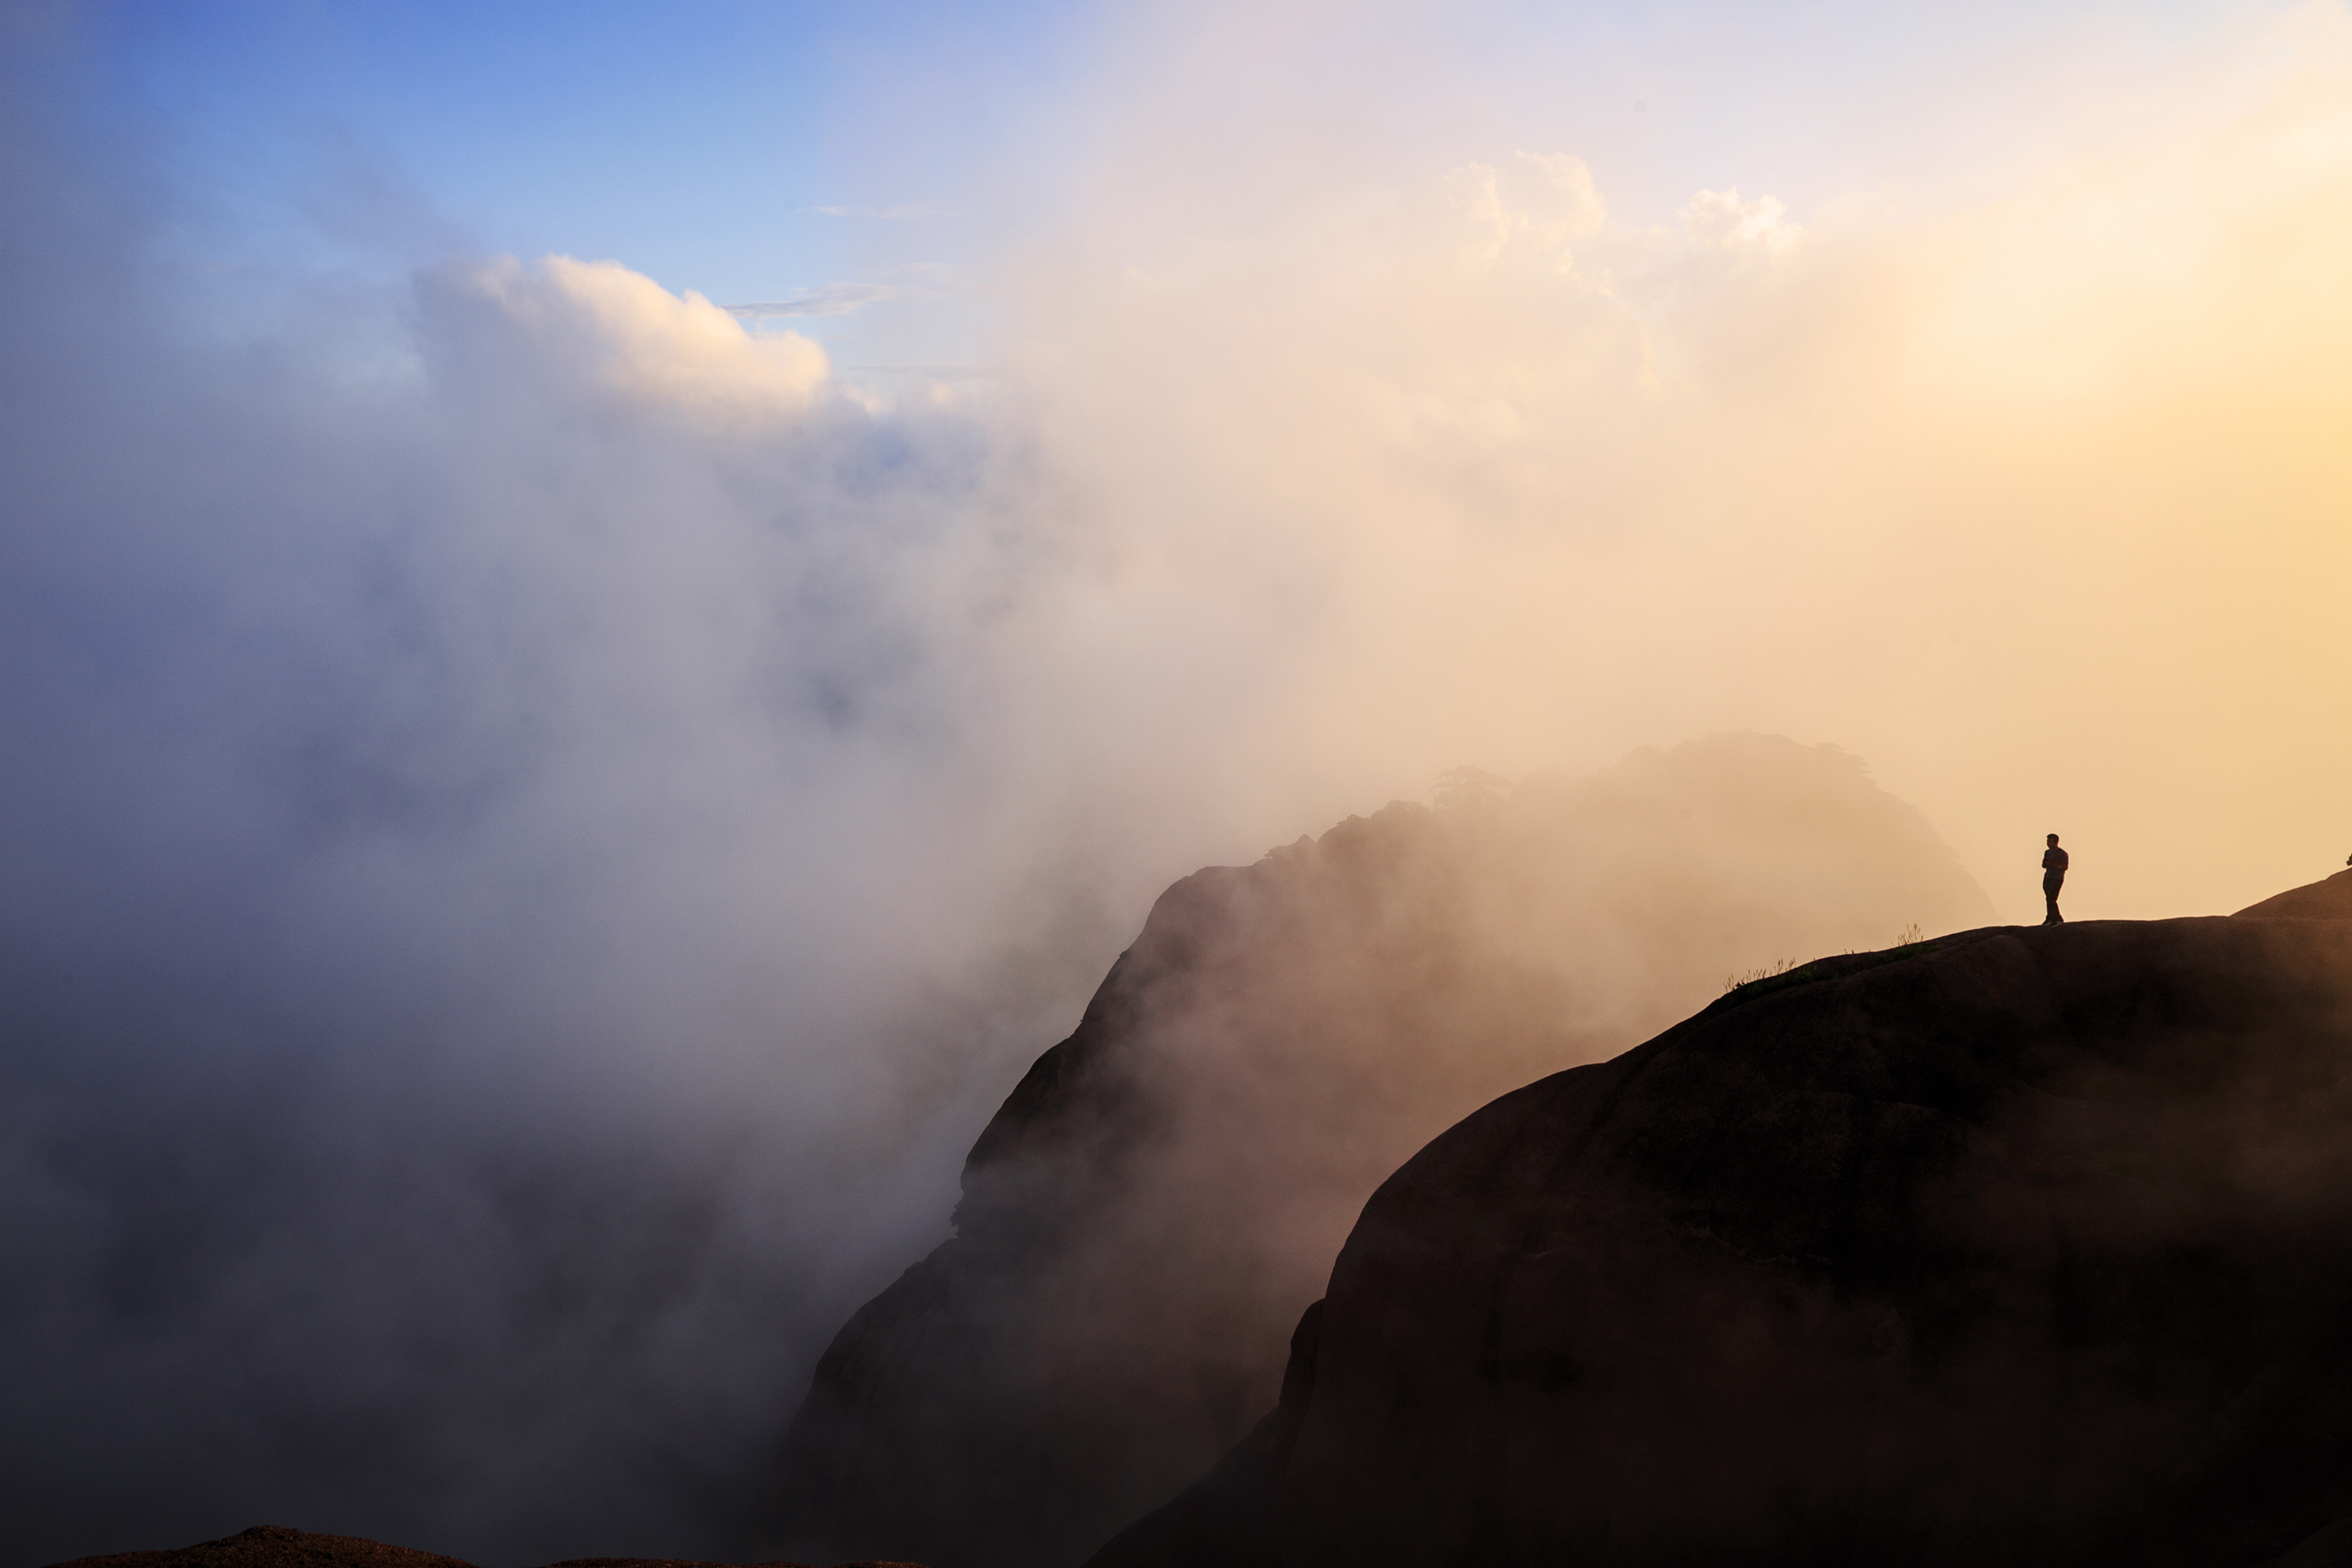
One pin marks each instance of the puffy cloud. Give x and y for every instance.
(1542, 204)
(1721, 218)
(596, 324)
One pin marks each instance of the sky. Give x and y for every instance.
(609, 614)
(727, 148)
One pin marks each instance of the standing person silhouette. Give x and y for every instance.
(2054, 877)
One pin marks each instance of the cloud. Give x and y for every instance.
(832, 299)
(902, 212)
(612, 329)
(931, 279)
(463, 799)
(1938, 479)
(1721, 218)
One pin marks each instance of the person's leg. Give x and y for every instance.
(2049, 886)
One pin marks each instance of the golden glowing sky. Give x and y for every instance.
(2032, 484)
(1373, 389)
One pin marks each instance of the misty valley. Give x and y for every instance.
(1344, 1228)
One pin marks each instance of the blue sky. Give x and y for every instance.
(702, 143)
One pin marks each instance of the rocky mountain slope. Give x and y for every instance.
(2025, 1246)
(1164, 1190)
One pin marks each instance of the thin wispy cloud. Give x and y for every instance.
(832, 299)
(917, 280)
(903, 212)
(940, 370)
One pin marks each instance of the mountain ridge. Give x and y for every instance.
(2169, 1100)
(2031, 1245)
(1161, 1190)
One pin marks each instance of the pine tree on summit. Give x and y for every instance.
(1469, 788)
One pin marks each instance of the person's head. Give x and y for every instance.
(2053, 841)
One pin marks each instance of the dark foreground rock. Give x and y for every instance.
(2327, 901)
(1158, 1197)
(2024, 1247)
(275, 1546)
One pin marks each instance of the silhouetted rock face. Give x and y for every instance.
(2026, 1247)
(2327, 901)
(1164, 1190)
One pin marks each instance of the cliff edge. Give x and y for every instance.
(1163, 1190)
(2029, 1246)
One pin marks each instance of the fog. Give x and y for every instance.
(542, 820)
(2018, 487)
(1144, 1220)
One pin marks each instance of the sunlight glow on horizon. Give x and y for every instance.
(1908, 470)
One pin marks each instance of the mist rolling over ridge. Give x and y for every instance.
(543, 815)
(1162, 1193)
